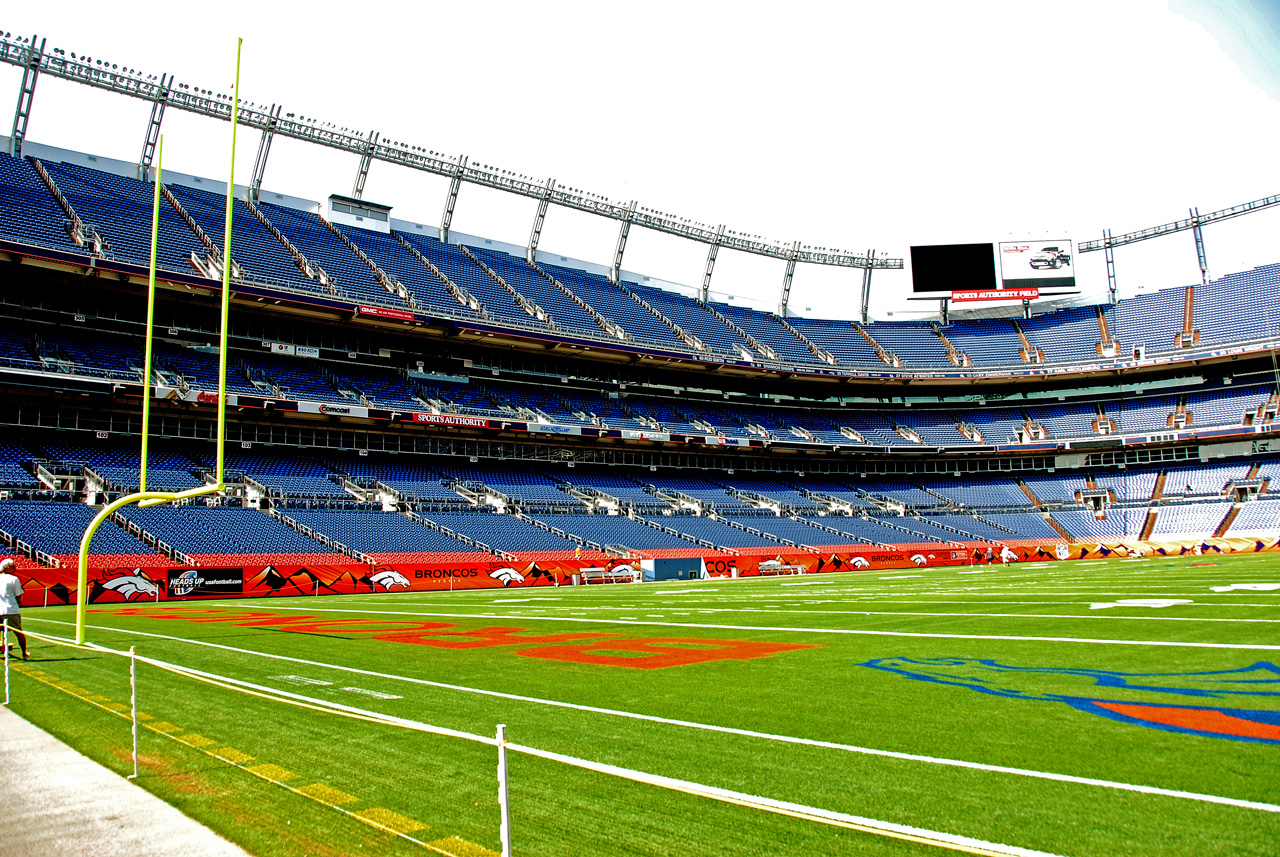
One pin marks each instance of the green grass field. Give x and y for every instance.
(1018, 705)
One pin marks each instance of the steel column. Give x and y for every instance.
(615, 270)
(264, 149)
(1111, 264)
(153, 127)
(536, 233)
(786, 279)
(705, 292)
(866, 285)
(1204, 261)
(451, 200)
(362, 172)
(27, 94)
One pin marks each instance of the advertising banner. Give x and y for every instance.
(996, 295)
(115, 585)
(632, 434)
(201, 582)
(332, 409)
(450, 420)
(1037, 264)
(198, 397)
(382, 312)
(551, 428)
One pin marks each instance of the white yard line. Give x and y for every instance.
(727, 730)
(849, 631)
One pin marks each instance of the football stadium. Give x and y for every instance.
(344, 533)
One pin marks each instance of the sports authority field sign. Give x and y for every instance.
(996, 295)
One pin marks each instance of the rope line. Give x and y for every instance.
(892, 830)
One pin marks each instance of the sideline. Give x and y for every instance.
(726, 730)
(59, 803)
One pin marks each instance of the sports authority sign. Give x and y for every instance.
(450, 420)
(996, 295)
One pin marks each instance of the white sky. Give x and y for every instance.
(855, 125)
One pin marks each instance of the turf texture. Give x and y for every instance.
(1082, 708)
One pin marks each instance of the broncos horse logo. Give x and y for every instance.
(507, 576)
(1173, 702)
(128, 584)
(388, 577)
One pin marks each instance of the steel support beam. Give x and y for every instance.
(1111, 265)
(705, 292)
(1199, 236)
(944, 311)
(866, 286)
(615, 270)
(264, 150)
(1197, 219)
(153, 127)
(362, 172)
(786, 279)
(203, 102)
(27, 94)
(451, 200)
(536, 233)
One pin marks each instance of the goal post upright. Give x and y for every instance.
(143, 497)
(151, 315)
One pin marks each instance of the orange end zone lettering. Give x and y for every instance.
(482, 638)
(363, 626)
(660, 652)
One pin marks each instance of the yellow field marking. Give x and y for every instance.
(275, 773)
(232, 755)
(326, 794)
(456, 847)
(383, 819)
(394, 822)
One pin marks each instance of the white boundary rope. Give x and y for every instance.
(908, 833)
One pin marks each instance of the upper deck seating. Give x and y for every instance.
(521, 276)
(615, 305)
(840, 339)
(29, 213)
(121, 210)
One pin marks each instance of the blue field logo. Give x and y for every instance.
(1174, 702)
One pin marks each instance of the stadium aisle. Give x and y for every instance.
(58, 802)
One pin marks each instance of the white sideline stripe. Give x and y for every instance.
(727, 730)
(856, 632)
(785, 807)
(983, 615)
(810, 813)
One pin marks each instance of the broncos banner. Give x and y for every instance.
(43, 586)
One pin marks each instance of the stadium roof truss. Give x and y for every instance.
(1193, 222)
(162, 91)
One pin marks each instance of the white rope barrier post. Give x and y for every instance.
(504, 796)
(6, 661)
(133, 707)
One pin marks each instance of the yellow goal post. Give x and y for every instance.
(143, 497)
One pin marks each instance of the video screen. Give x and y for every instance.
(1037, 264)
(953, 267)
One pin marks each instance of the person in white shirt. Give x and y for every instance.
(11, 602)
